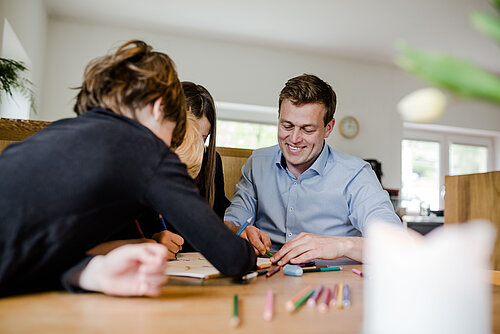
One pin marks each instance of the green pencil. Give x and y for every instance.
(268, 253)
(301, 301)
(235, 319)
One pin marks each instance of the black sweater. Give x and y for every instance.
(74, 184)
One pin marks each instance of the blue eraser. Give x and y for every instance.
(292, 270)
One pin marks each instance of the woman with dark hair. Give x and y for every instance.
(210, 180)
(75, 183)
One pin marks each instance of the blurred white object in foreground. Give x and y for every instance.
(433, 284)
(423, 105)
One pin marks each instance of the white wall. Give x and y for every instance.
(28, 19)
(255, 75)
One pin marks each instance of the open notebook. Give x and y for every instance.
(196, 266)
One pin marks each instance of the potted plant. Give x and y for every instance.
(12, 79)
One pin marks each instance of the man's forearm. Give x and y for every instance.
(353, 248)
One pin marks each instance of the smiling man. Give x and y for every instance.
(308, 201)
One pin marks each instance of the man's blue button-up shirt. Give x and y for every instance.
(339, 195)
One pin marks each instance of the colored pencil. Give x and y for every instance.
(268, 253)
(273, 271)
(333, 300)
(139, 228)
(314, 298)
(250, 276)
(357, 272)
(262, 272)
(322, 269)
(163, 222)
(323, 305)
(264, 266)
(244, 226)
(289, 303)
(339, 296)
(306, 264)
(347, 298)
(314, 267)
(301, 300)
(268, 310)
(235, 319)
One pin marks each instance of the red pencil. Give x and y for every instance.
(139, 228)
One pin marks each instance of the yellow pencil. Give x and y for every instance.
(339, 296)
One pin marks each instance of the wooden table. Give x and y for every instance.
(184, 308)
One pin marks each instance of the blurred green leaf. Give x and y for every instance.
(496, 4)
(487, 24)
(456, 75)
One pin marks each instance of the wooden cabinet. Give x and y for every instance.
(474, 196)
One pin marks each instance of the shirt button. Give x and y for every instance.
(289, 234)
(295, 183)
(291, 209)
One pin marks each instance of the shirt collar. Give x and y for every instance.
(318, 166)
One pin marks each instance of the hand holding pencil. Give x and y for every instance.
(173, 242)
(260, 240)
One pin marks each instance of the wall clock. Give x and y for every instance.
(349, 127)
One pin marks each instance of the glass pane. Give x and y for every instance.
(468, 159)
(245, 135)
(420, 175)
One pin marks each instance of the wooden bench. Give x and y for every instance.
(12, 130)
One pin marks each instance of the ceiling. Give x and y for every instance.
(365, 29)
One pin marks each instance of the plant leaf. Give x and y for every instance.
(457, 75)
(487, 24)
(496, 4)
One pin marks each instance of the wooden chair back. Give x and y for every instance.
(232, 161)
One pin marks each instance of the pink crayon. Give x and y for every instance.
(268, 310)
(357, 272)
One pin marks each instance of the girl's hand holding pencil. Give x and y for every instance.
(173, 242)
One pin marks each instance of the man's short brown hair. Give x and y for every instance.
(308, 88)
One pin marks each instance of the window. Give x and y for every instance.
(468, 159)
(427, 156)
(420, 174)
(245, 134)
(246, 126)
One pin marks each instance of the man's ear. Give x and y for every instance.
(157, 112)
(329, 127)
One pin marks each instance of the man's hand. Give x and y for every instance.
(306, 247)
(130, 270)
(260, 240)
(172, 241)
